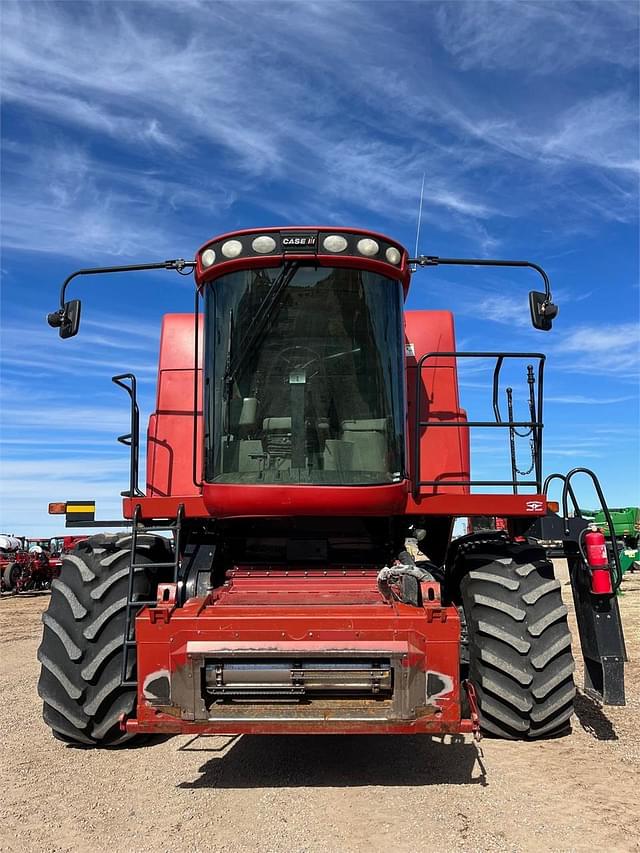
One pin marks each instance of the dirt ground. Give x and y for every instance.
(297, 794)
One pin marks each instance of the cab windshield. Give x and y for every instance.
(304, 377)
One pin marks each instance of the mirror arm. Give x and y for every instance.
(177, 264)
(434, 261)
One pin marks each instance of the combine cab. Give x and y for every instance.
(306, 425)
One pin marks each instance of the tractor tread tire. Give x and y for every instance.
(520, 660)
(7, 574)
(82, 643)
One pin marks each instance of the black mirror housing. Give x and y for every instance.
(71, 319)
(543, 312)
(67, 319)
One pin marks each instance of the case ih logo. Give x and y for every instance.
(534, 506)
(299, 242)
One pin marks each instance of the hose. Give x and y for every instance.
(404, 567)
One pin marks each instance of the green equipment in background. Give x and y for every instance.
(626, 526)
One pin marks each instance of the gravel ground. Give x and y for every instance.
(296, 794)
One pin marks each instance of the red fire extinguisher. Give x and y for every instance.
(598, 560)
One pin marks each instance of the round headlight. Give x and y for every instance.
(263, 245)
(334, 243)
(231, 249)
(392, 255)
(368, 247)
(208, 257)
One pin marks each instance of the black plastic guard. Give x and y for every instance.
(601, 636)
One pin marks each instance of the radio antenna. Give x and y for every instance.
(419, 215)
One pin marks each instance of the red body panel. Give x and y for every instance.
(509, 506)
(171, 427)
(301, 613)
(444, 451)
(226, 501)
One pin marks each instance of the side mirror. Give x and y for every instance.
(67, 319)
(543, 312)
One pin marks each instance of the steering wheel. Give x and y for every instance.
(294, 357)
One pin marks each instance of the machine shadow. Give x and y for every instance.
(593, 719)
(291, 761)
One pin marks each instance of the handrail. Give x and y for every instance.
(132, 438)
(574, 500)
(536, 425)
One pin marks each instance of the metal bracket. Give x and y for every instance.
(166, 603)
(473, 708)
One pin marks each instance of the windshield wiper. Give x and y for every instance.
(258, 325)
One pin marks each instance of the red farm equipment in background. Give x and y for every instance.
(35, 563)
(33, 566)
(10, 546)
(306, 425)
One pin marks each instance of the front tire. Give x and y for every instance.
(82, 645)
(520, 660)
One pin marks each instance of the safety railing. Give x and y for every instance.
(532, 427)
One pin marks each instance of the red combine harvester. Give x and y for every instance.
(306, 425)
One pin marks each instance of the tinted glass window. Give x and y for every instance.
(304, 369)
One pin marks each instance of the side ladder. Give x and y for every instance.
(134, 606)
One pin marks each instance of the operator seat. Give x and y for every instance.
(369, 440)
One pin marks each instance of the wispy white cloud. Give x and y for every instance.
(137, 330)
(77, 418)
(502, 309)
(602, 339)
(608, 349)
(120, 349)
(27, 469)
(78, 445)
(83, 207)
(235, 103)
(26, 490)
(582, 399)
(73, 365)
(599, 133)
(538, 38)
(574, 452)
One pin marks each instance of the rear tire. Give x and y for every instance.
(82, 645)
(520, 660)
(10, 575)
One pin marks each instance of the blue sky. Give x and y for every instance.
(133, 132)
